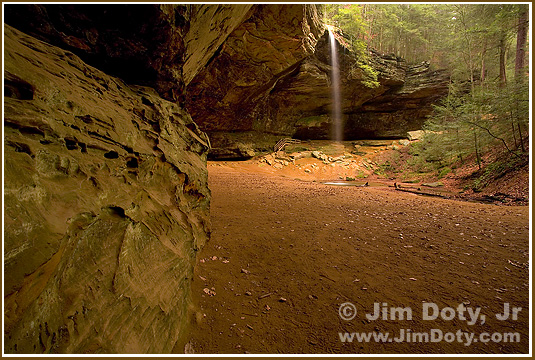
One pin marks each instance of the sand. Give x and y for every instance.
(285, 254)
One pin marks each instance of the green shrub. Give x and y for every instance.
(443, 172)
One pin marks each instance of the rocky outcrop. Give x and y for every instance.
(263, 94)
(300, 105)
(265, 49)
(106, 203)
(402, 108)
(106, 198)
(161, 46)
(141, 44)
(209, 27)
(253, 72)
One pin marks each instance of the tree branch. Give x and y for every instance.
(495, 137)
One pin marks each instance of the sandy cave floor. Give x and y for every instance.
(285, 254)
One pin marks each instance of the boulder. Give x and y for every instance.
(415, 135)
(434, 184)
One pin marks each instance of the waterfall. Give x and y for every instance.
(337, 127)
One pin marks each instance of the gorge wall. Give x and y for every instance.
(106, 203)
(106, 194)
(107, 111)
(271, 79)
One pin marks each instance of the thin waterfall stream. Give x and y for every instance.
(337, 127)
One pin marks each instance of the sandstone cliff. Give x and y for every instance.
(265, 49)
(106, 196)
(106, 203)
(161, 46)
(277, 82)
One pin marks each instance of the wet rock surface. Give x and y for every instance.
(106, 204)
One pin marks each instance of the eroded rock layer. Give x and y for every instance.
(265, 49)
(106, 203)
(106, 197)
(267, 82)
(161, 46)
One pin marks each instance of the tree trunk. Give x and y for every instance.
(381, 39)
(521, 139)
(514, 131)
(478, 158)
(483, 53)
(459, 147)
(521, 38)
(503, 76)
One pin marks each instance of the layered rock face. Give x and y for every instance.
(402, 107)
(106, 196)
(268, 72)
(266, 48)
(106, 203)
(161, 46)
(105, 179)
(399, 104)
(261, 87)
(140, 44)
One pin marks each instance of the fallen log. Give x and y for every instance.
(419, 192)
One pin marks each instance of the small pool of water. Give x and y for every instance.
(352, 183)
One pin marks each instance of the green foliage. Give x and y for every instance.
(361, 175)
(462, 37)
(492, 172)
(485, 111)
(473, 123)
(443, 172)
(382, 168)
(348, 18)
(371, 76)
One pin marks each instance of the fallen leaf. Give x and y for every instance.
(209, 291)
